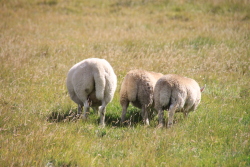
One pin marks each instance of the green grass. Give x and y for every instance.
(206, 40)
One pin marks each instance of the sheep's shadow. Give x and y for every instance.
(133, 117)
(112, 119)
(62, 116)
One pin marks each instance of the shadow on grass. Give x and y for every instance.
(133, 117)
(60, 116)
(112, 119)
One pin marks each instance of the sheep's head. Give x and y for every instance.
(203, 88)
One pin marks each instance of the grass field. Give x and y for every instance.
(40, 40)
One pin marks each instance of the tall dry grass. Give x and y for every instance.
(40, 40)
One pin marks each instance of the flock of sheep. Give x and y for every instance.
(92, 83)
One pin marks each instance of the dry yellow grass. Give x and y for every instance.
(41, 39)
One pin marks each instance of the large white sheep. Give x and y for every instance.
(137, 88)
(92, 83)
(176, 94)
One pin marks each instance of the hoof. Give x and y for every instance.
(102, 125)
(146, 123)
(84, 118)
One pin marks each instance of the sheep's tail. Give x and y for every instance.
(165, 96)
(131, 88)
(203, 88)
(147, 90)
(100, 83)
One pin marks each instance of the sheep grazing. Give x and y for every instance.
(176, 94)
(137, 88)
(92, 83)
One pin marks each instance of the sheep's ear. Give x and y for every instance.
(203, 88)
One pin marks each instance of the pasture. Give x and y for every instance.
(40, 40)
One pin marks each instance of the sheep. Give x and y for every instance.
(137, 88)
(92, 83)
(176, 94)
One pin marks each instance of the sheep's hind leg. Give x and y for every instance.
(86, 109)
(144, 113)
(79, 109)
(160, 118)
(124, 111)
(187, 110)
(171, 113)
(185, 114)
(96, 110)
(102, 114)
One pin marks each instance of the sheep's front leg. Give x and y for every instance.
(144, 113)
(86, 109)
(160, 118)
(102, 114)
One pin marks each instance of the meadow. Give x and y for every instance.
(40, 40)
